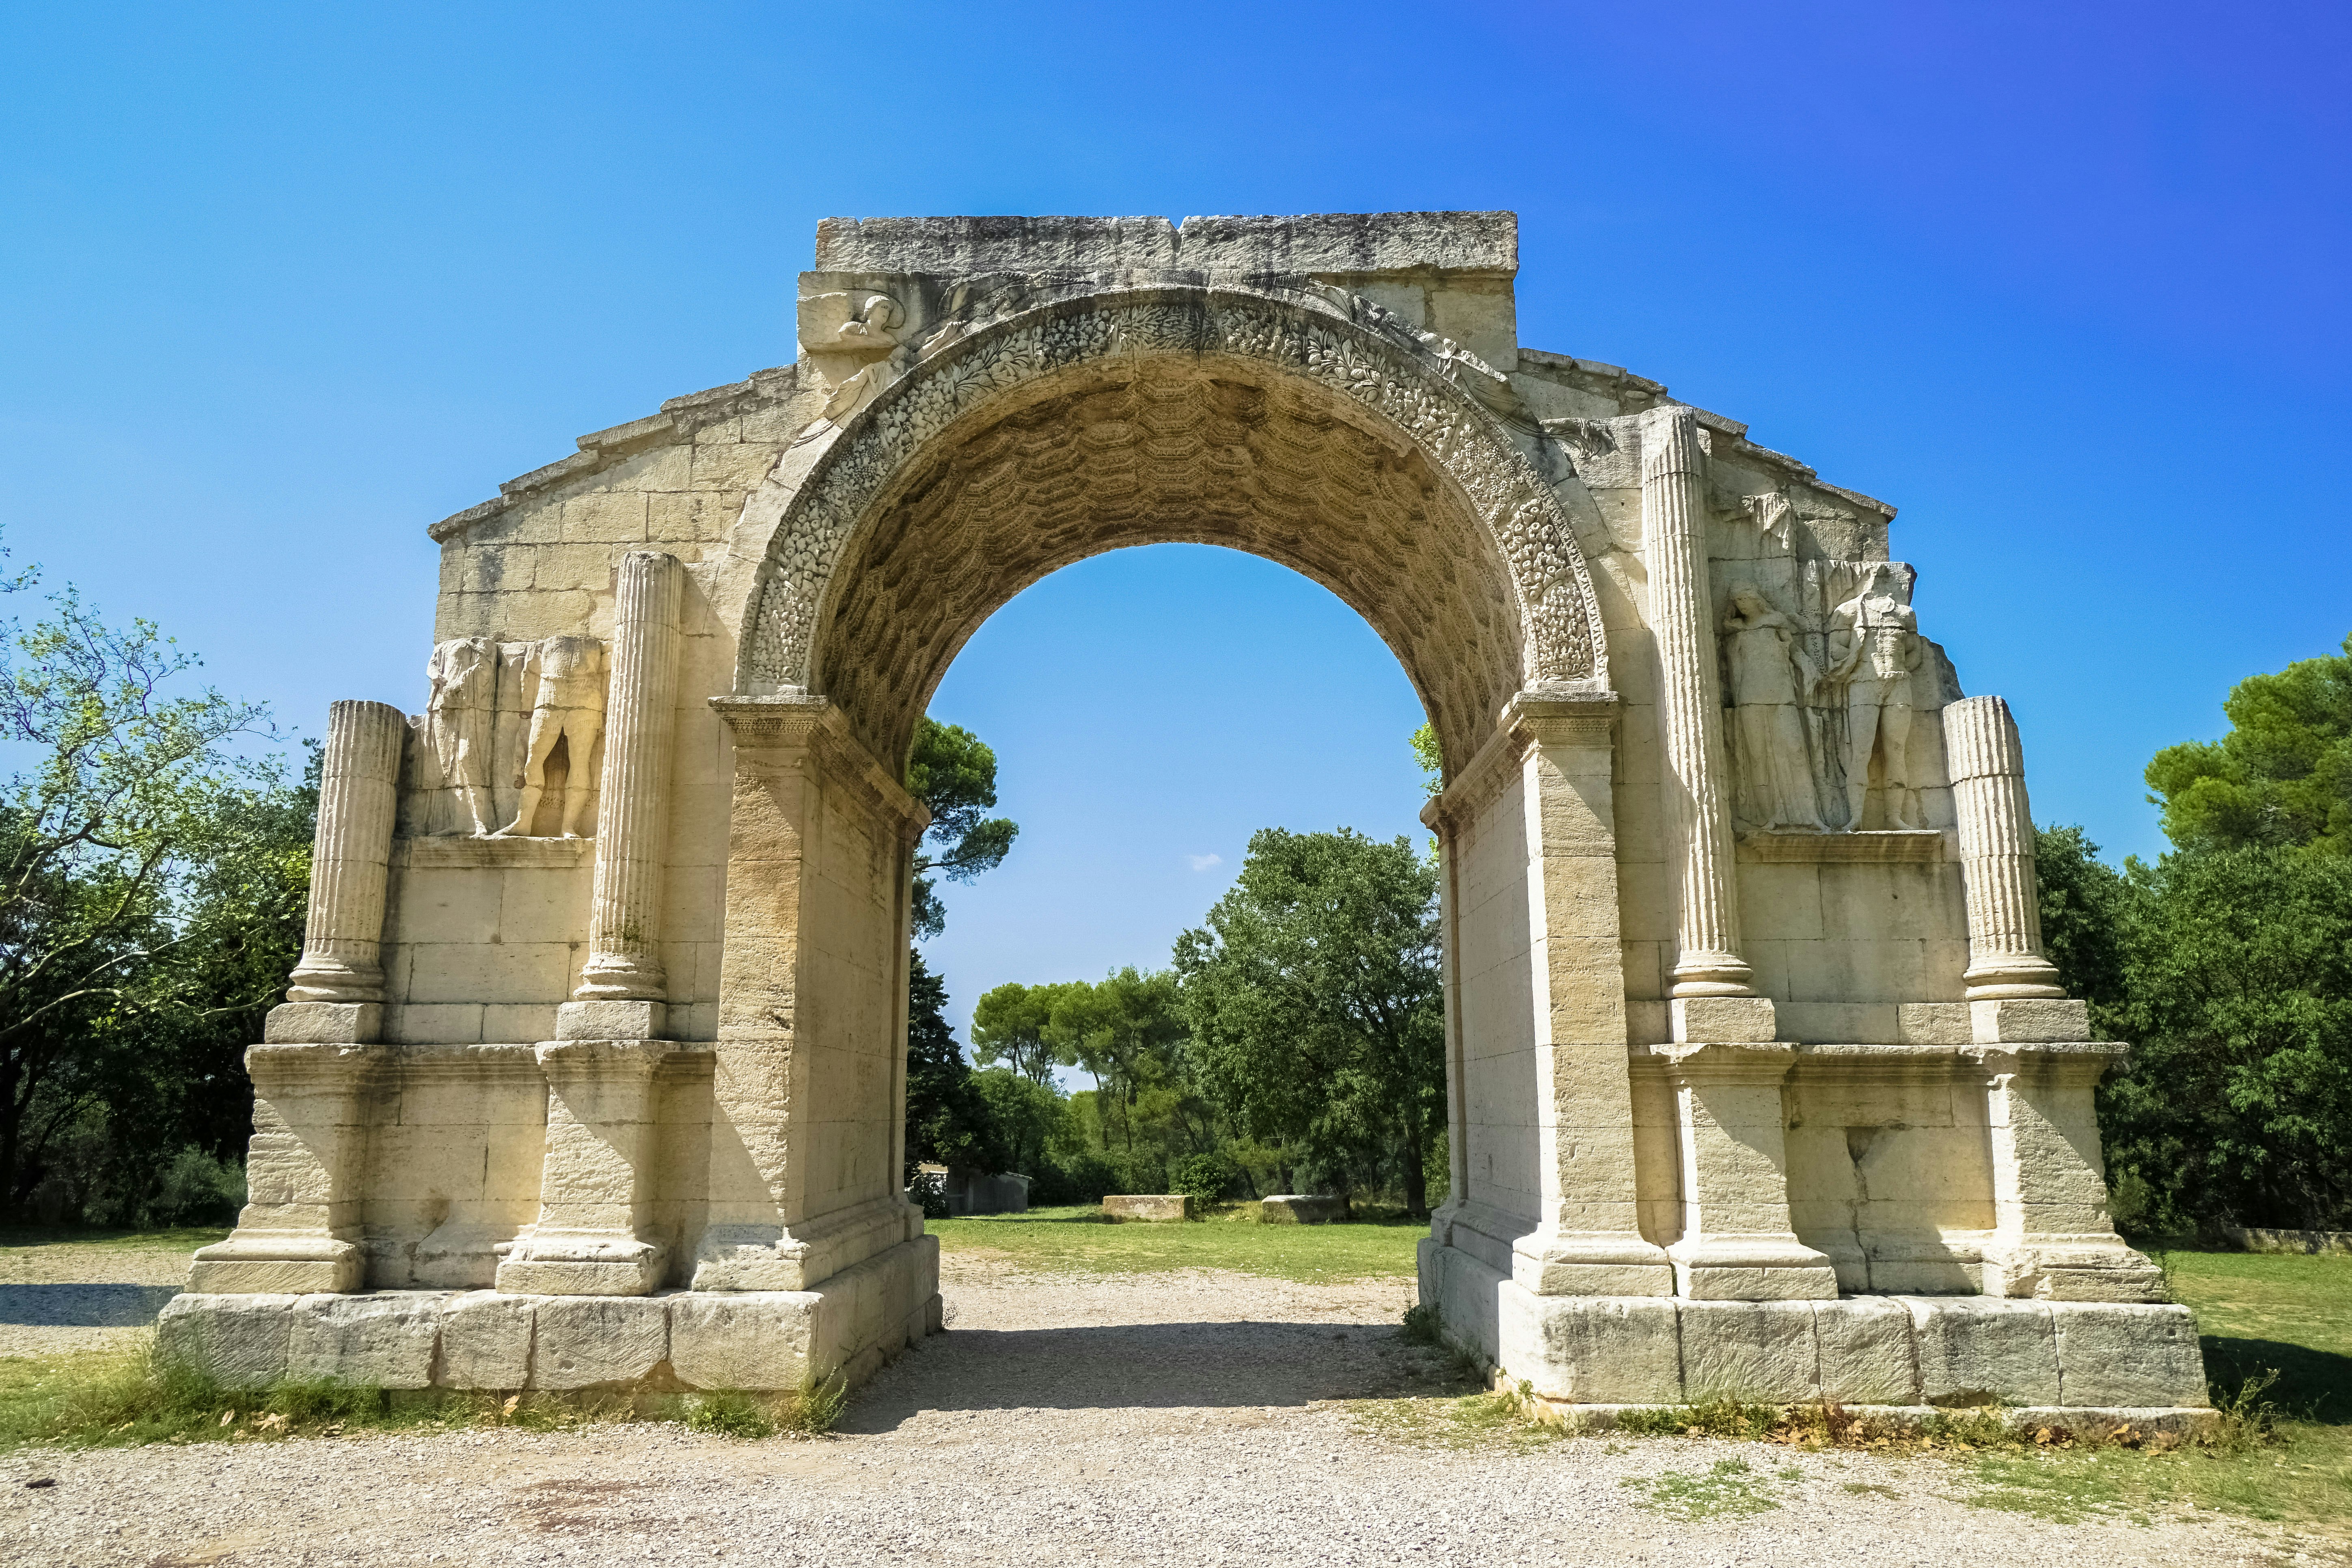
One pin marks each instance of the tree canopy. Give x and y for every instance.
(1314, 998)
(953, 772)
(2283, 775)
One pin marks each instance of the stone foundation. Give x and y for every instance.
(755, 1339)
(1922, 1352)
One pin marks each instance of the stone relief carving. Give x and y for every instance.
(464, 678)
(567, 709)
(498, 715)
(1859, 671)
(954, 371)
(1768, 681)
(1874, 649)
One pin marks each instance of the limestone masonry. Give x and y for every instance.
(592, 1070)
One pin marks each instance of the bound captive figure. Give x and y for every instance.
(464, 675)
(1770, 679)
(1873, 650)
(567, 705)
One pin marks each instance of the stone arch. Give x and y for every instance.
(1317, 434)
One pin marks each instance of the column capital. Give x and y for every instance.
(1581, 713)
(790, 722)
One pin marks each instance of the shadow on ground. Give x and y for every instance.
(82, 1305)
(1228, 1365)
(2312, 1384)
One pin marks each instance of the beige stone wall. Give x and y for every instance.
(1496, 955)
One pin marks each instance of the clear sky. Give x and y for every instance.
(282, 284)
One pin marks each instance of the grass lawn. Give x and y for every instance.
(1077, 1241)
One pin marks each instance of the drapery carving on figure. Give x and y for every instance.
(1874, 649)
(457, 722)
(1768, 680)
(566, 679)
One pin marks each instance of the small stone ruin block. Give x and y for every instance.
(1299, 1208)
(1148, 1205)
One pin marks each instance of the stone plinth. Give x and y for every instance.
(1299, 1208)
(1120, 1206)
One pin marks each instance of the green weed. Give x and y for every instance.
(1728, 1489)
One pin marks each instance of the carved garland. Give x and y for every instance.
(1560, 621)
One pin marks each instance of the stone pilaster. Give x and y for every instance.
(300, 1230)
(1550, 762)
(1738, 1242)
(808, 1089)
(595, 1184)
(2052, 1237)
(338, 985)
(1697, 813)
(624, 962)
(1987, 768)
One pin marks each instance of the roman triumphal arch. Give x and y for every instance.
(592, 1073)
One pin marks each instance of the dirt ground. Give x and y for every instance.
(1193, 1417)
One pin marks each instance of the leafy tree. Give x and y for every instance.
(954, 773)
(2088, 906)
(949, 1120)
(1028, 1115)
(1011, 1025)
(2236, 1107)
(1125, 1033)
(120, 846)
(2282, 775)
(1432, 759)
(1314, 1001)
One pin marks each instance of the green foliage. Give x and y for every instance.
(1421, 1325)
(1314, 1000)
(2282, 777)
(951, 771)
(1727, 1490)
(1011, 1025)
(1205, 1178)
(151, 891)
(2236, 1108)
(1073, 1239)
(1426, 752)
(949, 1118)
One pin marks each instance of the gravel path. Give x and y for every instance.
(82, 1297)
(1190, 1418)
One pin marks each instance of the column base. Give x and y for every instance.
(262, 1263)
(582, 1263)
(2048, 1020)
(1591, 1263)
(1751, 1269)
(2012, 976)
(324, 1024)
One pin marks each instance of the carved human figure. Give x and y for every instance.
(1874, 648)
(458, 719)
(567, 677)
(1770, 679)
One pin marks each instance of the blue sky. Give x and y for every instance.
(284, 285)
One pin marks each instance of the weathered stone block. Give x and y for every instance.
(1976, 1350)
(583, 1340)
(485, 1340)
(384, 1339)
(1148, 1206)
(2128, 1355)
(1299, 1208)
(759, 1340)
(1594, 1350)
(1762, 1351)
(612, 1021)
(2029, 1021)
(1728, 1019)
(240, 1341)
(1866, 1352)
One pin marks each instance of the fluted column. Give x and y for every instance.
(633, 811)
(1690, 713)
(343, 943)
(1987, 768)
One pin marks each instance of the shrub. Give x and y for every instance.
(1203, 1178)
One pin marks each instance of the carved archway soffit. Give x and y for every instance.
(961, 369)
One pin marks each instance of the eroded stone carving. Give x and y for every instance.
(1305, 336)
(1874, 649)
(458, 722)
(566, 678)
(1770, 679)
